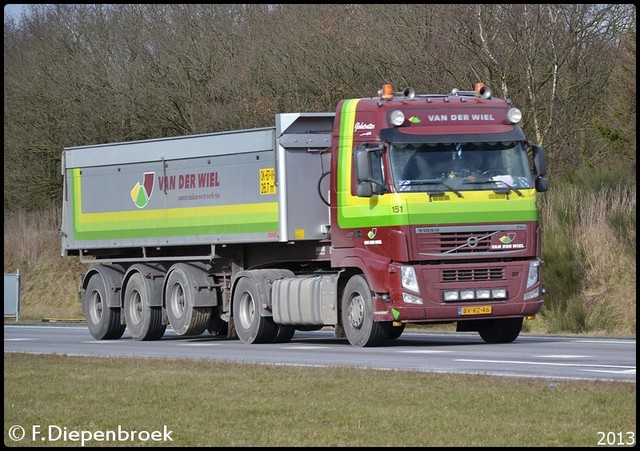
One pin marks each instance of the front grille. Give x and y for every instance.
(459, 242)
(470, 275)
(454, 243)
(479, 240)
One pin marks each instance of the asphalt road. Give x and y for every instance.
(550, 357)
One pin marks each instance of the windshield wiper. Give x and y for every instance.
(502, 190)
(432, 193)
(509, 188)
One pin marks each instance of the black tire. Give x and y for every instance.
(184, 317)
(357, 315)
(250, 326)
(217, 326)
(394, 332)
(500, 330)
(143, 321)
(284, 334)
(103, 321)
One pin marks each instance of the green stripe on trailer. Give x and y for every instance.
(170, 222)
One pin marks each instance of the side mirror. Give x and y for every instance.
(542, 184)
(538, 160)
(539, 168)
(364, 189)
(369, 171)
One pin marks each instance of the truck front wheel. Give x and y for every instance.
(103, 321)
(251, 327)
(500, 330)
(144, 322)
(394, 332)
(357, 315)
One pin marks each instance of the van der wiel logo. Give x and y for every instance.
(507, 243)
(508, 238)
(371, 234)
(141, 193)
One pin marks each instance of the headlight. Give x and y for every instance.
(451, 296)
(534, 269)
(514, 115)
(411, 299)
(467, 295)
(397, 118)
(533, 294)
(499, 293)
(409, 280)
(478, 294)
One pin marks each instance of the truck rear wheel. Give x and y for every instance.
(357, 315)
(500, 330)
(144, 322)
(250, 326)
(284, 334)
(103, 321)
(184, 317)
(217, 326)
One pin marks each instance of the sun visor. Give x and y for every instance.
(396, 135)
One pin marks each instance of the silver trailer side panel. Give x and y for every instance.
(247, 186)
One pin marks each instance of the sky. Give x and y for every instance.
(14, 9)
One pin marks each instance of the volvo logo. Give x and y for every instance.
(472, 241)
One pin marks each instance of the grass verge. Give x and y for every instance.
(235, 405)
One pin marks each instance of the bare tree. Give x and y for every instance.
(92, 73)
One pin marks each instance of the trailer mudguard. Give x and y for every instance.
(153, 276)
(112, 277)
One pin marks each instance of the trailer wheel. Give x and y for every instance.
(185, 319)
(357, 315)
(144, 322)
(500, 330)
(103, 321)
(250, 325)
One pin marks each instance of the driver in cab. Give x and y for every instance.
(475, 169)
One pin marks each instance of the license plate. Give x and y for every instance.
(476, 310)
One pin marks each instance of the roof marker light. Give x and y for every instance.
(387, 92)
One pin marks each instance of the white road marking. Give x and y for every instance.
(633, 371)
(197, 344)
(606, 341)
(545, 363)
(305, 347)
(562, 356)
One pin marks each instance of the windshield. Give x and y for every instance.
(461, 166)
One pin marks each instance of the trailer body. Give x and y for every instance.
(210, 189)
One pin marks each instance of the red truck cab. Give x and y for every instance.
(435, 236)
